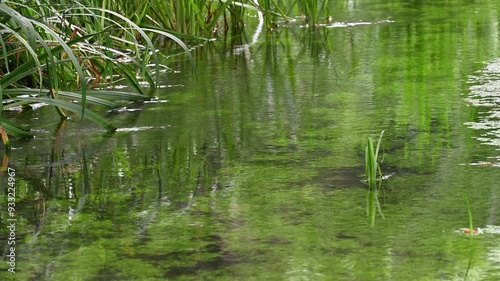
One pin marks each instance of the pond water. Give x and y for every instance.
(254, 169)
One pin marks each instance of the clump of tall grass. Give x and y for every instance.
(187, 19)
(193, 19)
(311, 11)
(372, 169)
(61, 55)
(371, 161)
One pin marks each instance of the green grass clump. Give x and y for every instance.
(60, 54)
(372, 167)
(197, 19)
(371, 162)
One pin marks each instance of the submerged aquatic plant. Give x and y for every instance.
(60, 55)
(188, 19)
(372, 167)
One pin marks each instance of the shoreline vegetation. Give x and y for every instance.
(68, 55)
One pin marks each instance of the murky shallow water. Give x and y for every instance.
(254, 170)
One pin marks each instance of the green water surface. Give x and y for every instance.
(254, 168)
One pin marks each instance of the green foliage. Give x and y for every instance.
(56, 53)
(188, 19)
(266, 201)
(371, 162)
(199, 19)
(372, 167)
(63, 50)
(469, 212)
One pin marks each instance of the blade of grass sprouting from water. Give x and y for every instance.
(469, 211)
(376, 158)
(368, 156)
(371, 164)
(371, 168)
(471, 235)
(367, 164)
(371, 161)
(76, 109)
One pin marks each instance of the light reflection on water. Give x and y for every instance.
(485, 95)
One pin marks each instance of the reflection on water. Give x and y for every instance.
(484, 95)
(254, 170)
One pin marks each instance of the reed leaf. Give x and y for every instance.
(14, 129)
(76, 109)
(20, 72)
(48, 46)
(13, 93)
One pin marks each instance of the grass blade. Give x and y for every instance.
(76, 109)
